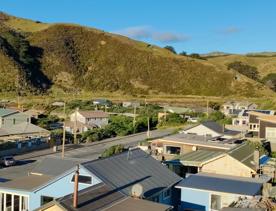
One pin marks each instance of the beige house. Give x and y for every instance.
(241, 161)
(182, 143)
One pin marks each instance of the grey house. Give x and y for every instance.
(9, 118)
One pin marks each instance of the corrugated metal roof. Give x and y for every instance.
(219, 184)
(5, 112)
(245, 154)
(199, 157)
(55, 166)
(129, 168)
(25, 128)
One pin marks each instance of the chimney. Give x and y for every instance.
(257, 158)
(76, 188)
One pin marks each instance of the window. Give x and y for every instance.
(173, 150)
(215, 202)
(167, 194)
(46, 199)
(155, 198)
(3, 121)
(83, 179)
(13, 121)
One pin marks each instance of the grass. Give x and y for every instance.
(84, 60)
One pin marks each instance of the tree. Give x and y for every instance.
(214, 105)
(183, 53)
(172, 119)
(170, 48)
(196, 56)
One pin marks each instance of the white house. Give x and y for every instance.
(98, 118)
(212, 129)
(235, 107)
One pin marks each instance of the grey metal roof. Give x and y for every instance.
(245, 154)
(219, 128)
(5, 112)
(103, 197)
(28, 183)
(220, 184)
(196, 140)
(54, 166)
(95, 198)
(25, 128)
(129, 168)
(198, 158)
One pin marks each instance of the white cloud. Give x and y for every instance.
(231, 30)
(147, 32)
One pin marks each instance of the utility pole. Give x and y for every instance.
(207, 109)
(64, 132)
(148, 133)
(134, 119)
(75, 127)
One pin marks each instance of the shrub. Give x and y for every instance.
(116, 149)
(245, 69)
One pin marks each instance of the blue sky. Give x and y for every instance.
(194, 26)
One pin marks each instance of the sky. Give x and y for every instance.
(193, 26)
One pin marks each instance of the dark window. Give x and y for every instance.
(14, 121)
(83, 179)
(46, 199)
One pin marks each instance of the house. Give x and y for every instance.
(52, 178)
(234, 107)
(17, 125)
(183, 143)
(103, 197)
(88, 119)
(242, 119)
(102, 102)
(242, 160)
(134, 104)
(208, 192)
(9, 117)
(263, 126)
(212, 129)
(79, 127)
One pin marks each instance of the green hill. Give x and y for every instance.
(68, 57)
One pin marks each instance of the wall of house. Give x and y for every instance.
(61, 187)
(14, 119)
(202, 130)
(98, 121)
(194, 199)
(263, 125)
(80, 118)
(228, 166)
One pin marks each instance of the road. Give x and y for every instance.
(89, 151)
(92, 151)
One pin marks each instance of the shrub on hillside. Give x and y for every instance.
(245, 69)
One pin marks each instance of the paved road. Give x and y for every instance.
(82, 152)
(93, 150)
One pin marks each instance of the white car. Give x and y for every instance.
(7, 161)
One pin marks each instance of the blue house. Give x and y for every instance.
(53, 178)
(205, 192)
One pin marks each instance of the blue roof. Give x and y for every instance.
(220, 184)
(264, 159)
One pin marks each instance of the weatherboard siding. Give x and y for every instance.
(61, 187)
(228, 166)
(194, 199)
(202, 131)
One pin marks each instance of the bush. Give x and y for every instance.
(245, 69)
(270, 81)
(170, 48)
(172, 119)
(116, 149)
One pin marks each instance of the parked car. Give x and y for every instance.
(7, 161)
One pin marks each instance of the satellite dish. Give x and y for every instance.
(137, 190)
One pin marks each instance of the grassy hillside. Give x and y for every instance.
(73, 58)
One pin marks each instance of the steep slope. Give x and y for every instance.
(71, 57)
